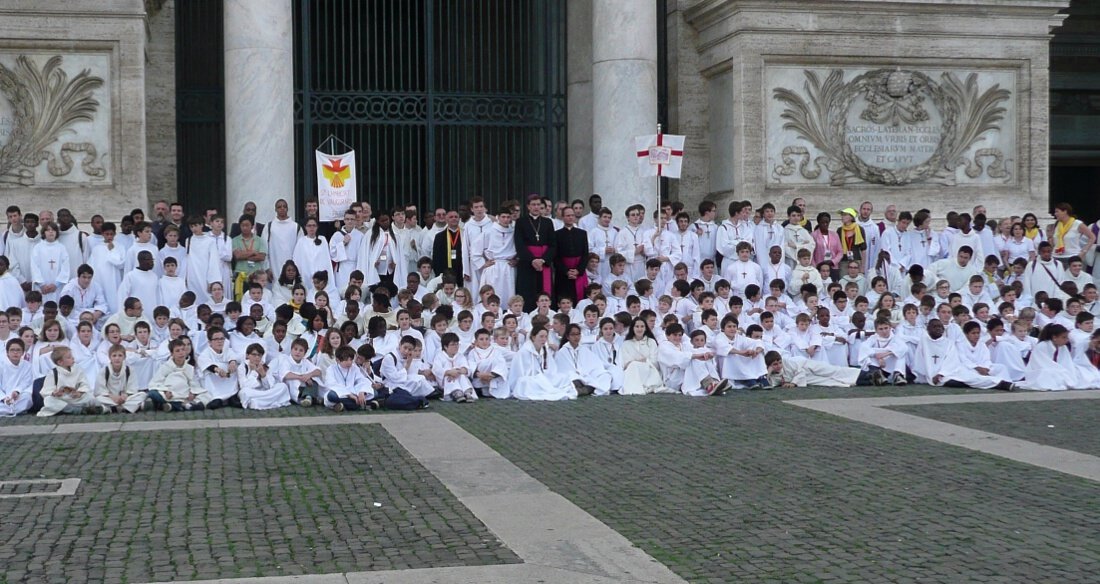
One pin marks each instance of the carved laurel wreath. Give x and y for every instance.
(45, 103)
(821, 118)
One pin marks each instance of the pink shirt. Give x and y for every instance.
(826, 241)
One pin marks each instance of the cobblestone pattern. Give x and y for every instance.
(745, 488)
(1063, 424)
(185, 505)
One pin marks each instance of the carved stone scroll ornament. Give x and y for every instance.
(893, 98)
(44, 104)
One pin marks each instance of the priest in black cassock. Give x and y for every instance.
(447, 249)
(569, 271)
(535, 246)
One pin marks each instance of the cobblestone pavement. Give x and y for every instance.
(745, 488)
(741, 488)
(184, 505)
(1069, 425)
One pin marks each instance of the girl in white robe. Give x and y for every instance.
(937, 362)
(49, 264)
(259, 388)
(606, 350)
(16, 381)
(535, 375)
(498, 252)
(311, 253)
(638, 358)
(1052, 366)
(974, 353)
(580, 364)
(379, 253)
(84, 352)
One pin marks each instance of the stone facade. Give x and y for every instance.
(83, 149)
(743, 43)
(160, 99)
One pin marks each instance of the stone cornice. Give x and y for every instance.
(717, 20)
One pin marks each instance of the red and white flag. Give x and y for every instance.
(660, 155)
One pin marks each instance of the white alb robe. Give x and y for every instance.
(535, 375)
(1055, 369)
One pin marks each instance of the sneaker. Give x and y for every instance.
(1005, 386)
(306, 402)
(458, 396)
(584, 390)
(165, 407)
(878, 377)
(372, 405)
(148, 405)
(723, 387)
(338, 407)
(898, 379)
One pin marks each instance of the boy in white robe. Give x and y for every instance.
(259, 388)
(174, 386)
(497, 255)
(452, 371)
(606, 351)
(141, 355)
(674, 357)
(741, 358)
(701, 376)
(346, 388)
(16, 380)
(300, 375)
(49, 269)
(804, 341)
(938, 363)
(218, 364)
(170, 287)
(203, 261)
(141, 283)
(795, 237)
(785, 371)
(885, 351)
(86, 293)
(400, 370)
(974, 354)
(66, 388)
(488, 365)
(116, 385)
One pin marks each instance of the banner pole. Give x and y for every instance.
(657, 220)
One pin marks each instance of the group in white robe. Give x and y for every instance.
(1054, 368)
(535, 375)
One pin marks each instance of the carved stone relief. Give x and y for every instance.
(54, 119)
(890, 127)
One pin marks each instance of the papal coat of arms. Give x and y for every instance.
(891, 127)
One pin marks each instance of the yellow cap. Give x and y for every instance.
(850, 211)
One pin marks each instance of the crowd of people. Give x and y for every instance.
(540, 300)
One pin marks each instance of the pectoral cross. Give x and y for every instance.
(52, 262)
(935, 359)
(744, 275)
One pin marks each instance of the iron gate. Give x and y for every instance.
(441, 99)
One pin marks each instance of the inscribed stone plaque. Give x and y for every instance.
(890, 126)
(55, 118)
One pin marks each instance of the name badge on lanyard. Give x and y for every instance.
(454, 254)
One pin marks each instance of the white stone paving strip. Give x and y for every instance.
(65, 488)
(557, 541)
(872, 411)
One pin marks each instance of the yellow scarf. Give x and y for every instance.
(1031, 233)
(1060, 232)
(848, 230)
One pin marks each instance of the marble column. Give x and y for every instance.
(624, 99)
(259, 105)
(578, 94)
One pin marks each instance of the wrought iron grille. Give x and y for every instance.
(200, 104)
(442, 100)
